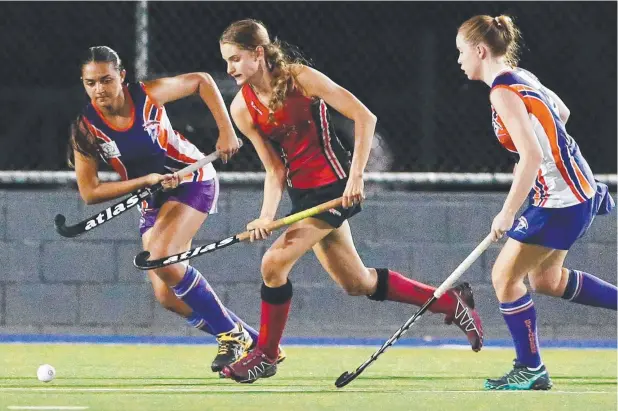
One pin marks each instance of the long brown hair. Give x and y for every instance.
(249, 34)
(499, 33)
(81, 138)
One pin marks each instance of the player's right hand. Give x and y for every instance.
(258, 229)
(227, 145)
(154, 178)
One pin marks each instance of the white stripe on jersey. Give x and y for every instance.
(188, 153)
(559, 193)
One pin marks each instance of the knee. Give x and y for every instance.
(354, 289)
(359, 284)
(165, 297)
(273, 268)
(546, 281)
(501, 281)
(159, 249)
(170, 274)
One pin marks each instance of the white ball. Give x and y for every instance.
(46, 373)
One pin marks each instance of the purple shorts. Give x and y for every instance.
(200, 195)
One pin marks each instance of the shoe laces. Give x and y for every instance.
(228, 340)
(249, 356)
(517, 368)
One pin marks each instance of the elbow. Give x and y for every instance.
(365, 117)
(278, 174)
(88, 200)
(89, 197)
(371, 118)
(205, 79)
(281, 173)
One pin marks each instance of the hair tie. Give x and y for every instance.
(497, 21)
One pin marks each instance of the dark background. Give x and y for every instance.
(399, 58)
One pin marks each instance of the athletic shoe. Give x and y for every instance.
(280, 358)
(232, 346)
(521, 378)
(255, 364)
(465, 316)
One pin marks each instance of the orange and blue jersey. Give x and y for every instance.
(149, 144)
(564, 179)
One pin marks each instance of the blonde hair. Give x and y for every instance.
(250, 34)
(499, 33)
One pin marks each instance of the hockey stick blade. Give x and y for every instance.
(348, 377)
(103, 216)
(344, 379)
(129, 202)
(141, 260)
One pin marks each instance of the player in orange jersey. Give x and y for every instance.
(529, 119)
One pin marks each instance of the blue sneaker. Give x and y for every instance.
(521, 378)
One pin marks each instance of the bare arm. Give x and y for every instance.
(318, 84)
(275, 169)
(563, 110)
(93, 191)
(168, 89)
(514, 115)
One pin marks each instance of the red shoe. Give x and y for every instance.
(255, 364)
(465, 316)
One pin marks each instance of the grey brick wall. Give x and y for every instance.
(88, 285)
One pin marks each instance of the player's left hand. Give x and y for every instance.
(354, 191)
(501, 224)
(227, 145)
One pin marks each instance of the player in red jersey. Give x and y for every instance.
(282, 109)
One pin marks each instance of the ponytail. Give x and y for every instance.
(81, 140)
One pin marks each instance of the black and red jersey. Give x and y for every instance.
(305, 138)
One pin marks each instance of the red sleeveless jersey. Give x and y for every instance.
(305, 138)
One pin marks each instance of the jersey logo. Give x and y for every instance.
(152, 128)
(522, 224)
(110, 150)
(254, 106)
(495, 123)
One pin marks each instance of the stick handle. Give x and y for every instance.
(291, 219)
(200, 163)
(476, 253)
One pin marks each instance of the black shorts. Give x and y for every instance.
(305, 199)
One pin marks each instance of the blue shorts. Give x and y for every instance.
(559, 228)
(200, 195)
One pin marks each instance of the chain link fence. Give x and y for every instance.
(399, 58)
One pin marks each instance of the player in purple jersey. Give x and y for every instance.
(529, 119)
(126, 126)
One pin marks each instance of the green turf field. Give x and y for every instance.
(178, 378)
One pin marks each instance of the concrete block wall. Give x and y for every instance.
(88, 285)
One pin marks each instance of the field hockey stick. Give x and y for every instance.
(126, 204)
(347, 377)
(141, 260)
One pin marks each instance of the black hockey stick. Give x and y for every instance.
(141, 260)
(347, 377)
(124, 205)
